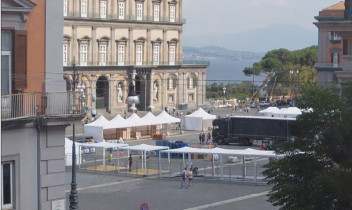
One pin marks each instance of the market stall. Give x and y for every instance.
(199, 120)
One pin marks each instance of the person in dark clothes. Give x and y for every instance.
(200, 138)
(130, 163)
(203, 138)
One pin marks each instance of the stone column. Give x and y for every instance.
(166, 15)
(133, 106)
(74, 45)
(112, 47)
(130, 48)
(180, 88)
(94, 46)
(179, 47)
(111, 93)
(151, 91)
(149, 48)
(204, 87)
(94, 92)
(180, 2)
(165, 51)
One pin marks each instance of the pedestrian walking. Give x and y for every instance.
(190, 177)
(208, 137)
(130, 163)
(183, 179)
(110, 158)
(200, 138)
(203, 138)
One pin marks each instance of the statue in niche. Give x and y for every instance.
(155, 91)
(119, 93)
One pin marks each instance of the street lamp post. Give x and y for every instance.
(73, 195)
(224, 92)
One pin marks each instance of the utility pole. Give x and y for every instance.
(73, 195)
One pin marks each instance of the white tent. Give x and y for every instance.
(270, 111)
(144, 148)
(117, 122)
(95, 129)
(291, 112)
(68, 152)
(104, 145)
(152, 119)
(199, 120)
(165, 118)
(134, 120)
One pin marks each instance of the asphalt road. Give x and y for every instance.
(122, 193)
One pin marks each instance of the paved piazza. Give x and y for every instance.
(99, 191)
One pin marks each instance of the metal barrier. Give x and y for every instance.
(231, 169)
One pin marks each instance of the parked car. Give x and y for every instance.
(280, 103)
(253, 105)
(263, 103)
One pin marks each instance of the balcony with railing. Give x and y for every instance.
(325, 66)
(115, 17)
(144, 64)
(54, 104)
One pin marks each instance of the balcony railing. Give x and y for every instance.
(32, 104)
(178, 63)
(126, 18)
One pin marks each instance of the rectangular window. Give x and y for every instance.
(156, 12)
(156, 54)
(102, 55)
(83, 54)
(172, 13)
(102, 9)
(191, 97)
(139, 55)
(171, 83)
(121, 55)
(171, 98)
(84, 8)
(65, 8)
(121, 10)
(139, 11)
(65, 54)
(191, 82)
(172, 50)
(6, 72)
(7, 185)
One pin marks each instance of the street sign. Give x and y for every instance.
(144, 206)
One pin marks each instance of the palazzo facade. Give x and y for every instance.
(118, 42)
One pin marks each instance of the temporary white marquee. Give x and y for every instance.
(165, 118)
(199, 120)
(144, 148)
(117, 122)
(219, 151)
(291, 112)
(151, 119)
(95, 129)
(134, 120)
(104, 145)
(68, 152)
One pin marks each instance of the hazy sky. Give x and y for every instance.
(235, 16)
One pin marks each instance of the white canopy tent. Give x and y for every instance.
(144, 148)
(219, 151)
(95, 129)
(68, 152)
(117, 122)
(134, 120)
(199, 120)
(151, 119)
(270, 111)
(165, 118)
(104, 145)
(290, 112)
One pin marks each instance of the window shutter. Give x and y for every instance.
(19, 75)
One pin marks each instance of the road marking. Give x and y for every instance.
(220, 203)
(105, 185)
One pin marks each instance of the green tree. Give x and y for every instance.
(317, 169)
(284, 70)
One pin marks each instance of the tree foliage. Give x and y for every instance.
(282, 67)
(317, 169)
(234, 90)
